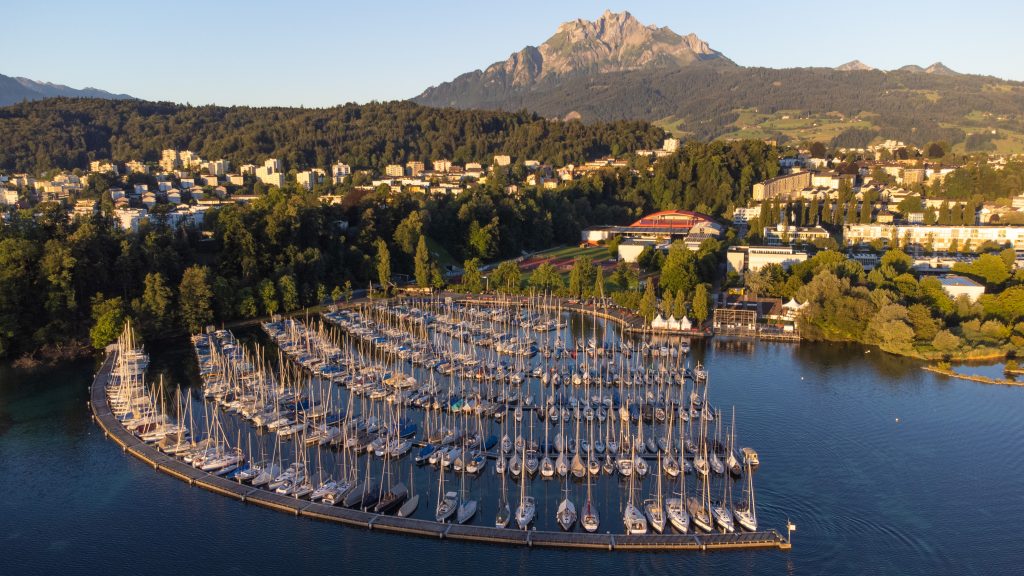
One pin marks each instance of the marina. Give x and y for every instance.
(321, 421)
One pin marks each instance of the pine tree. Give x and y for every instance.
(700, 304)
(422, 263)
(648, 302)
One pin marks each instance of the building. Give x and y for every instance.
(786, 186)
(670, 145)
(85, 209)
(394, 170)
(442, 166)
(742, 216)
(218, 167)
(935, 238)
(785, 234)
(270, 173)
(957, 286)
(740, 259)
(8, 196)
(662, 226)
(129, 218)
(414, 168)
(136, 167)
(310, 178)
(629, 250)
(502, 160)
(169, 160)
(339, 172)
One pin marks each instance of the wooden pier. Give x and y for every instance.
(412, 526)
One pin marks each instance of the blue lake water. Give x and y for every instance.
(884, 468)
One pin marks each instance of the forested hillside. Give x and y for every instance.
(68, 133)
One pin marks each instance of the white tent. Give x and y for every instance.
(685, 324)
(659, 322)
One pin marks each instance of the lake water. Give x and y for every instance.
(884, 468)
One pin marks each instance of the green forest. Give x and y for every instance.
(68, 133)
(64, 283)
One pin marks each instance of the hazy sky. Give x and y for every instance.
(301, 52)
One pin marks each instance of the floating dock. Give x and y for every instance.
(649, 542)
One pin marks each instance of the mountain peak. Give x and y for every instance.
(614, 42)
(853, 65)
(941, 69)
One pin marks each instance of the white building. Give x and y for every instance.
(502, 159)
(310, 178)
(939, 238)
(742, 216)
(129, 218)
(957, 286)
(441, 165)
(742, 258)
(340, 171)
(270, 173)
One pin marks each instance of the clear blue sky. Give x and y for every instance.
(301, 52)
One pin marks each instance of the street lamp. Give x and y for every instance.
(487, 284)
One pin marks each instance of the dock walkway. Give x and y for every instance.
(414, 526)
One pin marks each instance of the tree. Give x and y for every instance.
(155, 310)
(701, 303)
(268, 296)
(599, 282)
(472, 279)
(108, 320)
(665, 304)
(946, 342)
(679, 305)
(818, 150)
(194, 296)
(483, 240)
(581, 277)
(248, 307)
(1009, 257)
(422, 263)
(925, 327)
(289, 293)
(507, 277)
(383, 264)
(613, 246)
(546, 278)
(648, 302)
(988, 268)
(889, 328)
(409, 231)
(679, 271)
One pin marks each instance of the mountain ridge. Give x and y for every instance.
(616, 68)
(14, 89)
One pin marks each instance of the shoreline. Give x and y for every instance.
(970, 377)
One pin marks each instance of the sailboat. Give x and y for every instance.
(409, 507)
(467, 507)
(503, 515)
(447, 502)
(590, 518)
(745, 511)
(632, 517)
(653, 508)
(676, 507)
(566, 514)
(527, 508)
